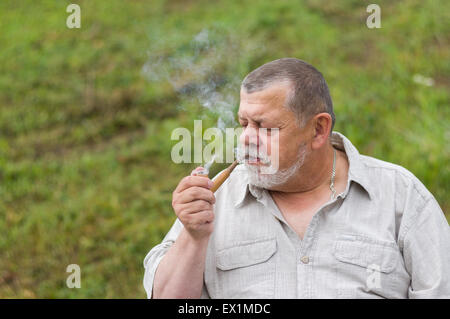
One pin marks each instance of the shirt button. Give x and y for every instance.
(305, 259)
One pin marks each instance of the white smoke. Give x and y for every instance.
(204, 70)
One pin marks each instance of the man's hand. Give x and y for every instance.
(193, 203)
(180, 272)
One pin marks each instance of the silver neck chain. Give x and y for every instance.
(333, 174)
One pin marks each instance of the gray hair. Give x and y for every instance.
(309, 94)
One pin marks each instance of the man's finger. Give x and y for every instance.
(195, 206)
(196, 193)
(198, 170)
(191, 181)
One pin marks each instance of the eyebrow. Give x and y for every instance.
(260, 121)
(257, 120)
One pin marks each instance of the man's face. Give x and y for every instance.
(263, 115)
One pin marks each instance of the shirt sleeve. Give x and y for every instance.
(427, 253)
(156, 254)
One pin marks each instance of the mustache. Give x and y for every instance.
(251, 152)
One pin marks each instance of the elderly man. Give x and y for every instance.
(330, 223)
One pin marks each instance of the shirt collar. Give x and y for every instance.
(357, 171)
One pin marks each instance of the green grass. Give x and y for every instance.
(85, 169)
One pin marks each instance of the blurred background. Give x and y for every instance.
(86, 115)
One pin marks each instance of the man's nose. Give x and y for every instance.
(249, 136)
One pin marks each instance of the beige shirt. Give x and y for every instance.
(385, 236)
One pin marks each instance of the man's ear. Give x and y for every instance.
(321, 126)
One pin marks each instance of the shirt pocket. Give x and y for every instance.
(247, 269)
(365, 266)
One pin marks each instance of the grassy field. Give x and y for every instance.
(85, 169)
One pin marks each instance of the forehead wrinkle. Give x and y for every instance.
(273, 95)
(271, 101)
(257, 116)
(275, 115)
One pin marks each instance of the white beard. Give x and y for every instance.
(267, 181)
